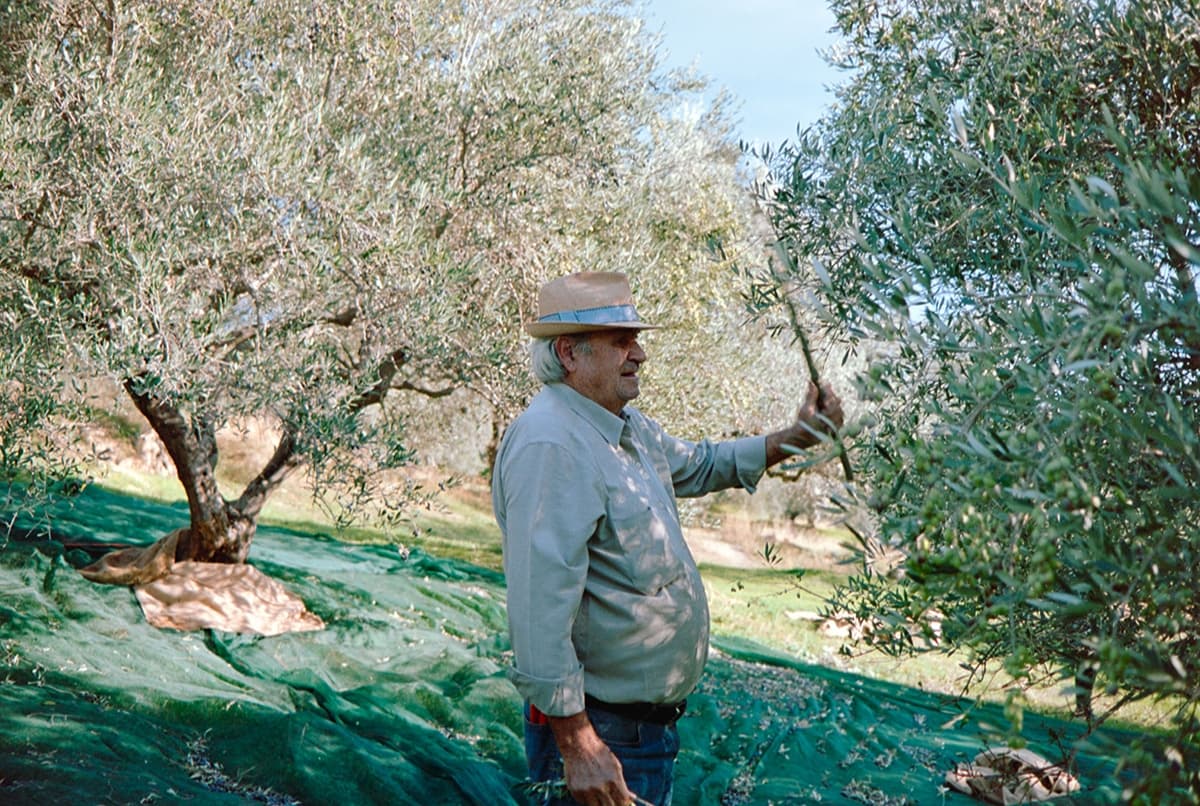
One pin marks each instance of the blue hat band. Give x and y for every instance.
(606, 315)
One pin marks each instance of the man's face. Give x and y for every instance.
(604, 367)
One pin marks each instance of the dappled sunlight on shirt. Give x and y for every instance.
(597, 567)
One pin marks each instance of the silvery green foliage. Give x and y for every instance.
(1007, 194)
(302, 209)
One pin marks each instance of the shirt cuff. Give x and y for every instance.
(562, 697)
(750, 457)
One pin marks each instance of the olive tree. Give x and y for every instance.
(300, 209)
(36, 462)
(1007, 195)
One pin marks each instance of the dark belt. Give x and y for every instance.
(658, 713)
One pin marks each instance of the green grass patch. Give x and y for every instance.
(166, 489)
(449, 528)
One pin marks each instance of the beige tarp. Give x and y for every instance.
(1006, 776)
(201, 596)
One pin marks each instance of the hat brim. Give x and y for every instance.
(541, 330)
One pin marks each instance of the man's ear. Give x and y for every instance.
(564, 348)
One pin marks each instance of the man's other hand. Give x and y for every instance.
(593, 773)
(821, 413)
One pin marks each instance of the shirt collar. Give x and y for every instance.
(608, 424)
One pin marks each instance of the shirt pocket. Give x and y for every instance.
(646, 555)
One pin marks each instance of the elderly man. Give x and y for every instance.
(607, 612)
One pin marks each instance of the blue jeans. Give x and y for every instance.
(646, 751)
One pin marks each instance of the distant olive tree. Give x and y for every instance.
(302, 209)
(1008, 194)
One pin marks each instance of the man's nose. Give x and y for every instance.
(636, 353)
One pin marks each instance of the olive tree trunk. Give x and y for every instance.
(220, 530)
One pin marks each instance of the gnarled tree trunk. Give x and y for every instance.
(220, 530)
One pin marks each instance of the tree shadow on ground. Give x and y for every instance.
(403, 698)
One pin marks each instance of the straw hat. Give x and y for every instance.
(579, 303)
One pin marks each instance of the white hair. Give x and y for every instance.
(543, 358)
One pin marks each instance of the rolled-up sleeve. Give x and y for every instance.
(549, 513)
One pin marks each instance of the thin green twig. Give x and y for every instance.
(806, 349)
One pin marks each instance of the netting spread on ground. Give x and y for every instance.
(403, 697)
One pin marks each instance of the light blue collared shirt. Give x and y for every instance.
(603, 593)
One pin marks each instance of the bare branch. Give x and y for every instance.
(434, 393)
(387, 372)
(278, 468)
(32, 218)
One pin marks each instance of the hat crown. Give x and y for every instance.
(581, 292)
(586, 301)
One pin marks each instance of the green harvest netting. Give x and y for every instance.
(403, 698)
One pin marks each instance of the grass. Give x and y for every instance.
(775, 607)
(782, 609)
(144, 485)
(456, 526)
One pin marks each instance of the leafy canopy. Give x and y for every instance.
(309, 209)
(1005, 197)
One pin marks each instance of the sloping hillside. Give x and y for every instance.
(402, 698)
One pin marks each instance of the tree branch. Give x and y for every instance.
(387, 372)
(421, 390)
(33, 217)
(278, 468)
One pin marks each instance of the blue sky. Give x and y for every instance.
(763, 51)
